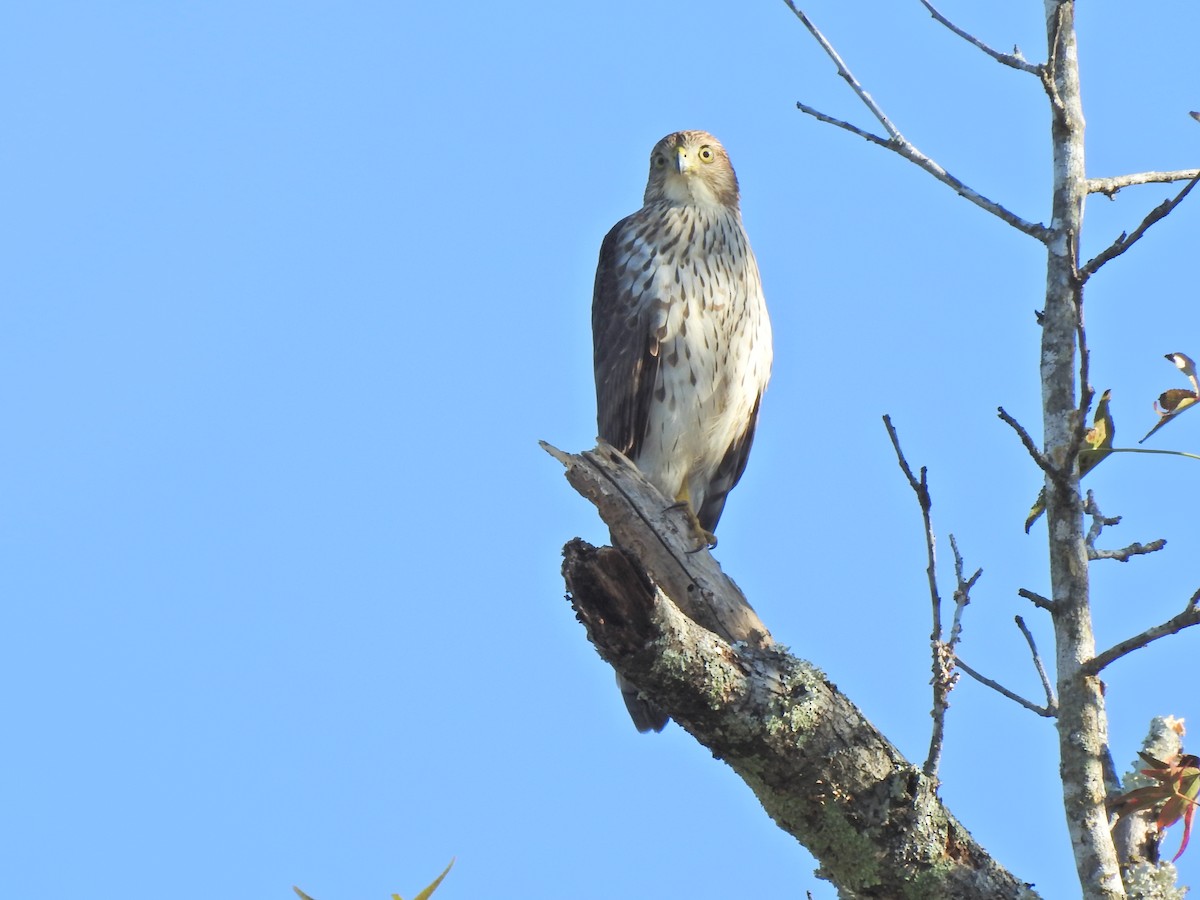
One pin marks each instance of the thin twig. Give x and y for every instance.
(920, 487)
(1013, 60)
(1001, 689)
(1030, 446)
(1036, 599)
(944, 655)
(844, 71)
(962, 593)
(1087, 393)
(1051, 66)
(1125, 241)
(943, 652)
(897, 143)
(1125, 553)
(1051, 703)
(1110, 186)
(1189, 617)
(1099, 523)
(841, 123)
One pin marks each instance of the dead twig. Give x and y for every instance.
(1125, 553)
(943, 652)
(1051, 703)
(1038, 456)
(1037, 599)
(897, 143)
(1013, 60)
(962, 592)
(1099, 523)
(1189, 617)
(1110, 186)
(1125, 241)
(1044, 711)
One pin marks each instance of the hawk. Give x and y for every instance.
(681, 338)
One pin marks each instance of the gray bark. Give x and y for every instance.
(660, 610)
(1082, 728)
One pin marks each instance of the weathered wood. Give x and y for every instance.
(663, 536)
(671, 622)
(1082, 721)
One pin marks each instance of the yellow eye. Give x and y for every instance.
(706, 154)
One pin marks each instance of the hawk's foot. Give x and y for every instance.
(710, 539)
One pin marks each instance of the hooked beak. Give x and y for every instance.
(682, 163)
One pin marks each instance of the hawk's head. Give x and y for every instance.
(691, 168)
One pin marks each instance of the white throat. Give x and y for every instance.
(688, 190)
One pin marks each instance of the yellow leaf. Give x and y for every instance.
(428, 892)
(1097, 446)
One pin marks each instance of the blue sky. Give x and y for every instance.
(292, 291)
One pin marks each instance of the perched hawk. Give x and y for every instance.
(681, 337)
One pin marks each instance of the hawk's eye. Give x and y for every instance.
(706, 154)
(659, 160)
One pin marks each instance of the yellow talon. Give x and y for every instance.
(683, 502)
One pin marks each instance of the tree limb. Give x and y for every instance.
(1051, 703)
(1002, 690)
(1125, 241)
(819, 768)
(1127, 553)
(1013, 60)
(943, 679)
(1043, 461)
(1099, 523)
(1036, 599)
(662, 536)
(1186, 619)
(897, 143)
(1110, 186)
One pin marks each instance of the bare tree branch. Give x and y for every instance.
(1110, 186)
(962, 592)
(1030, 447)
(665, 539)
(1051, 703)
(1013, 60)
(1099, 523)
(1037, 599)
(1125, 553)
(1086, 393)
(845, 73)
(1053, 65)
(1125, 241)
(1001, 689)
(820, 769)
(897, 143)
(842, 123)
(1186, 619)
(943, 653)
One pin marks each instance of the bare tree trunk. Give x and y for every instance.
(1082, 729)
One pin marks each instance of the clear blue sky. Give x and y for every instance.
(291, 291)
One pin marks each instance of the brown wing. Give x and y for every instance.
(623, 348)
(728, 474)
